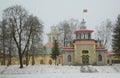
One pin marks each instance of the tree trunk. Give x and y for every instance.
(3, 38)
(9, 59)
(3, 53)
(20, 59)
(27, 57)
(33, 59)
(3, 49)
(55, 62)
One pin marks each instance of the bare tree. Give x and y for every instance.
(21, 28)
(3, 39)
(9, 44)
(7, 41)
(36, 35)
(104, 33)
(67, 28)
(25, 30)
(16, 17)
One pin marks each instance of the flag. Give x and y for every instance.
(85, 10)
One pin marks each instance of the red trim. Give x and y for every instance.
(68, 48)
(83, 31)
(84, 40)
(101, 49)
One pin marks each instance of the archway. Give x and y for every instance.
(50, 62)
(24, 61)
(85, 57)
(69, 58)
(41, 61)
(100, 58)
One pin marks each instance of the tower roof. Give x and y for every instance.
(83, 28)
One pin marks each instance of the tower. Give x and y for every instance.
(83, 33)
(84, 46)
(53, 35)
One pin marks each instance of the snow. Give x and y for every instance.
(52, 71)
(80, 75)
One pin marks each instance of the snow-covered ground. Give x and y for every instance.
(74, 75)
(52, 71)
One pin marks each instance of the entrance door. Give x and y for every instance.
(85, 57)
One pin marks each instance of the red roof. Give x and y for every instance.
(49, 45)
(83, 31)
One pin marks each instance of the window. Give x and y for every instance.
(99, 58)
(54, 39)
(49, 38)
(79, 36)
(89, 36)
(24, 61)
(69, 58)
(50, 62)
(41, 61)
(59, 61)
(82, 35)
(85, 51)
(86, 36)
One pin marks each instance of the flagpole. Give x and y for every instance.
(84, 11)
(83, 15)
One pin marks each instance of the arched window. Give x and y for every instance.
(50, 62)
(53, 38)
(89, 36)
(86, 35)
(41, 61)
(59, 61)
(99, 58)
(77, 36)
(82, 36)
(69, 58)
(85, 51)
(24, 61)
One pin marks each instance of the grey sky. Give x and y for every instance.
(51, 12)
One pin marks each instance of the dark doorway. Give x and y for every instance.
(41, 61)
(85, 57)
(50, 62)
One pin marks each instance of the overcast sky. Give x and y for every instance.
(51, 12)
